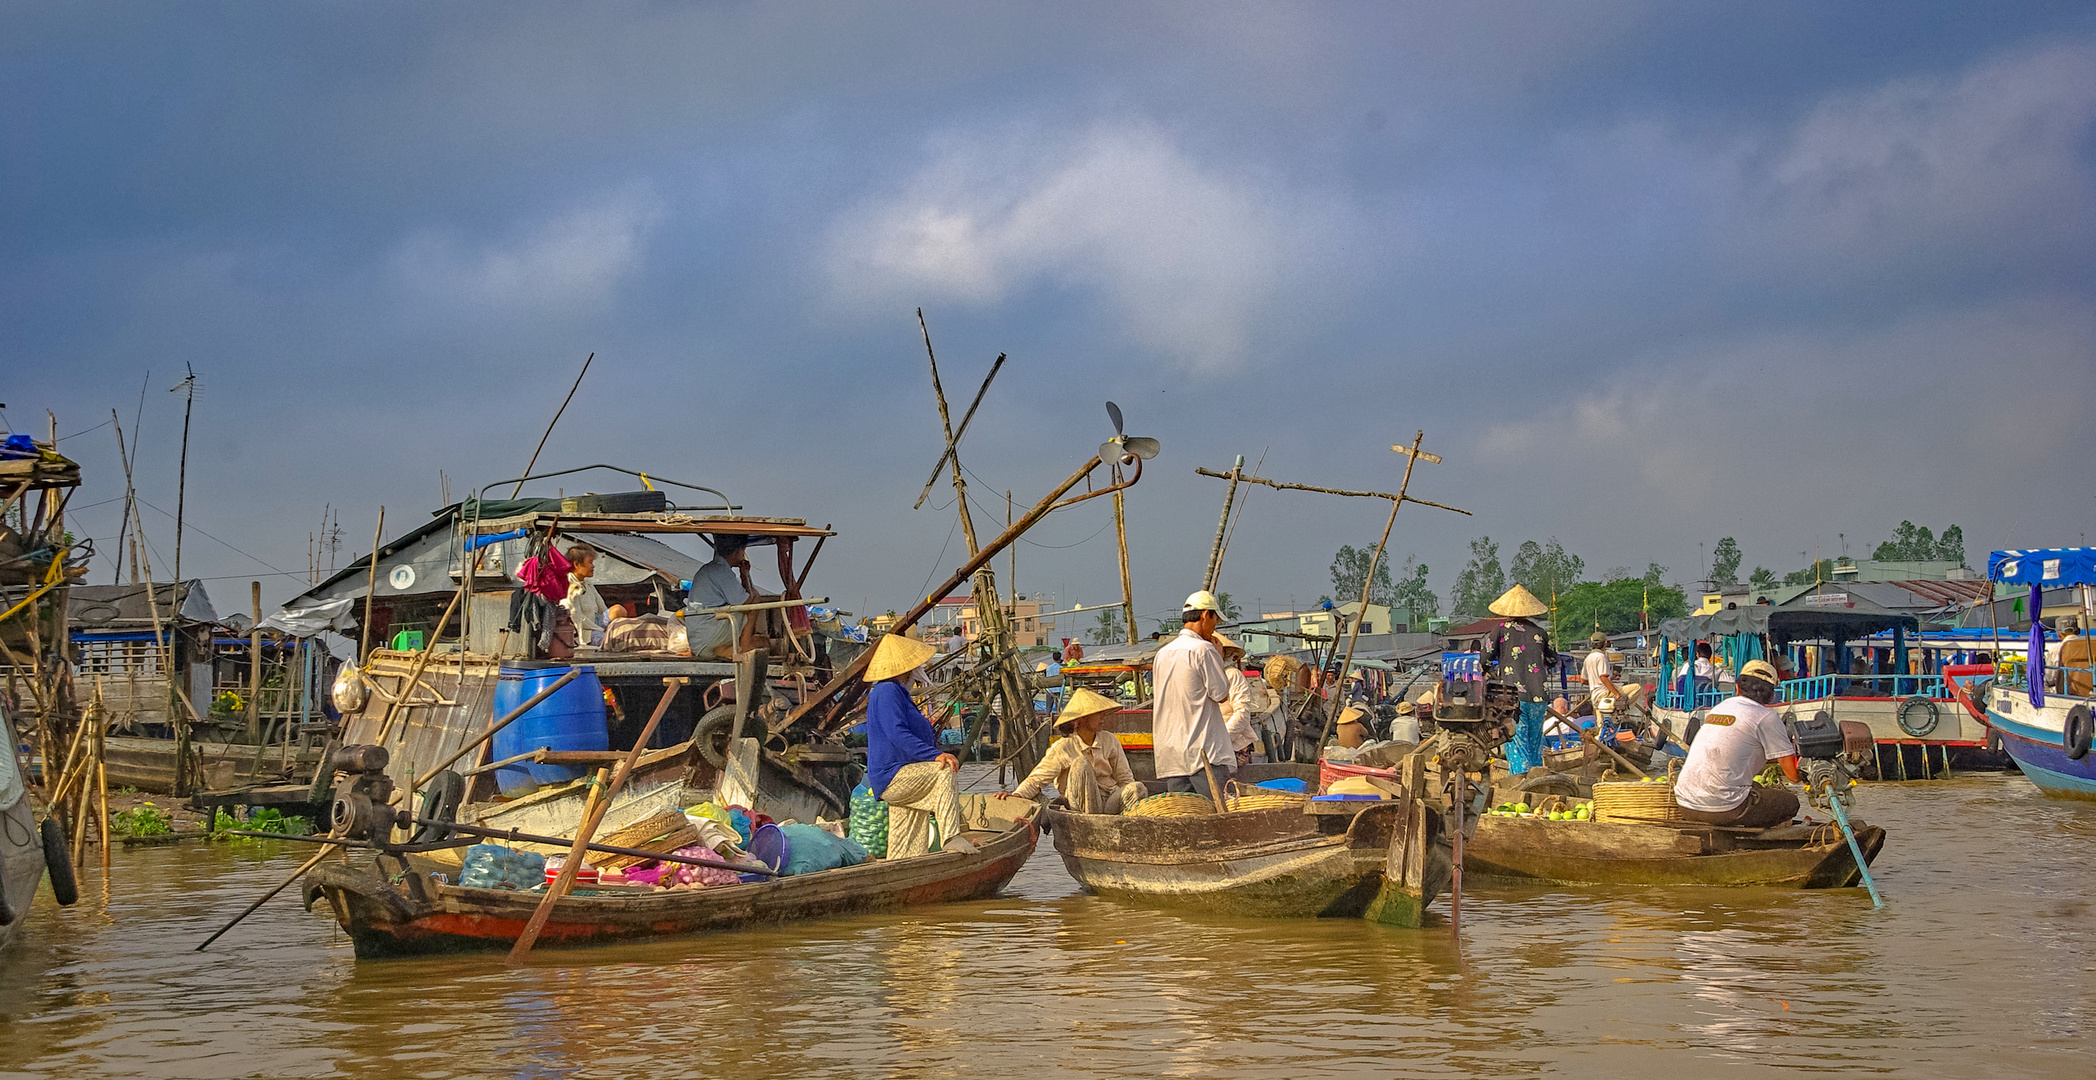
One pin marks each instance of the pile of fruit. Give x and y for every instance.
(1577, 812)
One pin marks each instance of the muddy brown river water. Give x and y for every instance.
(1982, 964)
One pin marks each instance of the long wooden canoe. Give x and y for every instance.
(1345, 860)
(389, 915)
(1611, 853)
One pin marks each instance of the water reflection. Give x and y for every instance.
(1981, 964)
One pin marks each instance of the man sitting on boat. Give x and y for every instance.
(1086, 765)
(1189, 684)
(904, 764)
(1738, 739)
(722, 582)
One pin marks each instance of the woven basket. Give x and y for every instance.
(1635, 802)
(1267, 800)
(664, 832)
(1173, 804)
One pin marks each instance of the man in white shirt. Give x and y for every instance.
(1189, 685)
(1739, 737)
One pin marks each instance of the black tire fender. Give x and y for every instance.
(58, 863)
(2075, 732)
(714, 728)
(1921, 728)
(440, 802)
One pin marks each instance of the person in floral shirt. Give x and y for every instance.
(1518, 652)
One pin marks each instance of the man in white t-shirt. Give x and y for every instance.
(1739, 737)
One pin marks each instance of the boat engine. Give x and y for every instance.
(1830, 756)
(363, 804)
(1474, 719)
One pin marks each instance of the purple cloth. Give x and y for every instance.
(2034, 665)
(897, 734)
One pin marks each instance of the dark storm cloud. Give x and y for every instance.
(1647, 274)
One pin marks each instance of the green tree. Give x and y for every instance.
(1724, 563)
(1762, 580)
(1617, 606)
(1547, 569)
(1231, 612)
(1107, 628)
(1951, 545)
(1823, 570)
(1909, 543)
(1481, 582)
(1350, 568)
(1413, 593)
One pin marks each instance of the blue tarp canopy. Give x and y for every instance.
(2044, 566)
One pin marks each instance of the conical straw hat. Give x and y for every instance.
(897, 655)
(1083, 703)
(1518, 603)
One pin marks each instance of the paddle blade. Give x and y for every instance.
(1141, 447)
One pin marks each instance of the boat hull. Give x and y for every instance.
(2035, 737)
(1264, 863)
(416, 916)
(1608, 853)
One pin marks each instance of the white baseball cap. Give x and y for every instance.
(1202, 601)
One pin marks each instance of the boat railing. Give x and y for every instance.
(1816, 687)
(1676, 699)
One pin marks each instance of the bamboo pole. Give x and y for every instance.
(843, 689)
(1127, 586)
(1279, 485)
(102, 777)
(378, 536)
(1368, 585)
(549, 431)
(1215, 553)
(254, 664)
(593, 816)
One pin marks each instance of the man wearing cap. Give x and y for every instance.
(1086, 765)
(1518, 653)
(904, 764)
(1189, 685)
(1739, 737)
(722, 582)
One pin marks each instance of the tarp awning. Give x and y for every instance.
(1828, 614)
(2050, 567)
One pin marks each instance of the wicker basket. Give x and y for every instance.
(1254, 799)
(664, 832)
(1172, 804)
(1635, 802)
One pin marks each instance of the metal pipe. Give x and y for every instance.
(1856, 852)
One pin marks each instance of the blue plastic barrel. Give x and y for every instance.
(571, 719)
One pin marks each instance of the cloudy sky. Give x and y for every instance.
(1646, 274)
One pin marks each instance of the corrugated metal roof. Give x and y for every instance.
(123, 607)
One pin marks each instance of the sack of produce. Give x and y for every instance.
(869, 822)
(492, 866)
(810, 849)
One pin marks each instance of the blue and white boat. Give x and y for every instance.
(2045, 729)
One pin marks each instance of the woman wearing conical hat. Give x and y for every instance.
(1087, 764)
(1518, 652)
(904, 765)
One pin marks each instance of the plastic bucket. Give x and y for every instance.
(769, 845)
(572, 718)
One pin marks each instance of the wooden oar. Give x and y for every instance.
(285, 884)
(1215, 791)
(591, 818)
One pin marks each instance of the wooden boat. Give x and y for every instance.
(21, 843)
(411, 913)
(1383, 860)
(1613, 853)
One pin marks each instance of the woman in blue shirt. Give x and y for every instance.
(904, 764)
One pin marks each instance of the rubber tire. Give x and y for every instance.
(441, 802)
(721, 717)
(58, 863)
(1921, 731)
(2075, 732)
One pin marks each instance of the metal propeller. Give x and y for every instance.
(1123, 444)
